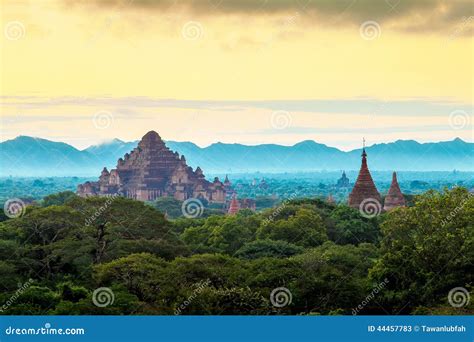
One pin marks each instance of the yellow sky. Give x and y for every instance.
(51, 49)
(90, 50)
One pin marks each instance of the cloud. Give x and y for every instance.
(412, 16)
(366, 106)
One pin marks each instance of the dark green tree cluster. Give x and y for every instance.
(427, 250)
(55, 258)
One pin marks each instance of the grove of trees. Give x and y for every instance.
(329, 257)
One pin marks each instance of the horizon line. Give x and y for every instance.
(241, 144)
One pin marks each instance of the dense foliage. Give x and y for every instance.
(330, 258)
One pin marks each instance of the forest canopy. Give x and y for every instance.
(57, 256)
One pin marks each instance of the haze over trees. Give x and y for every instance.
(278, 187)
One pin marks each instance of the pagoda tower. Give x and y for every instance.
(394, 197)
(364, 187)
(343, 182)
(227, 181)
(234, 206)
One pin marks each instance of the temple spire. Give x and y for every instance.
(234, 206)
(364, 187)
(394, 196)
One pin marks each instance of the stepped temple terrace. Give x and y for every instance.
(152, 170)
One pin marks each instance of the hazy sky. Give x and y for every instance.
(248, 71)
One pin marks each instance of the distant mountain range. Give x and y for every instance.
(35, 157)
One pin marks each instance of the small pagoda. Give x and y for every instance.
(343, 182)
(394, 197)
(234, 206)
(364, 187)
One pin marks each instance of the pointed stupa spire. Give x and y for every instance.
(364, 154)
(234, 206)
(364, 187)
(394, 197)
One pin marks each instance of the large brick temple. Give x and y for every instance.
(152, 170)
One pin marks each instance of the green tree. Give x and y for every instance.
(58, 199)
(168, 206)
(333, 277)
(34, 300)
(121, 226)
(123, 303)
(222, 234)
(39, 232)
(234, 232)
(197, 237)
(141, 274)
(349, 227)
(427, 249)
(268, 248)
(304, 228)
(228, 301)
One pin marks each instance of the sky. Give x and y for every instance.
(245, 71)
